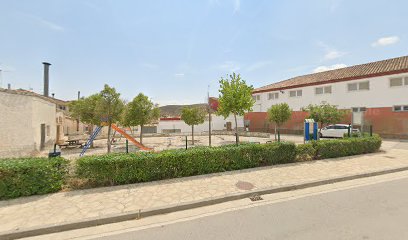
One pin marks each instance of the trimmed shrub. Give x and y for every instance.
(116, 169)
(305, 152)
(30, 176)
(346, 147)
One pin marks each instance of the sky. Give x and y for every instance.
(175, 51)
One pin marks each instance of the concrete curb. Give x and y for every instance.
(91, 222)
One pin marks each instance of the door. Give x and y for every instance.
(58, 133)
(42, 141)
(229, 126)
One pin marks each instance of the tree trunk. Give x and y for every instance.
(236, 129)
(109, 142)
(141, 134)
(192, 133)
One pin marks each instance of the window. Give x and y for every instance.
(352, 86)
(400, 108)
(273, 96)
(396, 82)
(323, 90)
(364, 86)
(256, 97)
(295, 93)
(48, 130)
(359, 109)
(358, 86)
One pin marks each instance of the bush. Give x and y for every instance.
(30, 176)
(305, 152)
(346, 147)
(115, 169)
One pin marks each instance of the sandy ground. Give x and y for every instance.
(164, 143)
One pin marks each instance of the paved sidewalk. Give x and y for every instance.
(77, 206)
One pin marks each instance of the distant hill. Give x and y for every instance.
(175, 110)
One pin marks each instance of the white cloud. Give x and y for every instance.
(258, 65)
(333, 54)
(179, 74)
(327, 68)
(229, 66)
(237, 6)
(384, 41)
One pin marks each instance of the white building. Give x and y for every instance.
(28, 123)
(378, 90)
(218, 123)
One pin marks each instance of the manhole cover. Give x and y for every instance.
(244, 185)
(255, 197)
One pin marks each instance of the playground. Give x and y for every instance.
(158, 143)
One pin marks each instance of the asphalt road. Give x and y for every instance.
(378, 211)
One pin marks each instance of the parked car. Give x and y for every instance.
(336, 131)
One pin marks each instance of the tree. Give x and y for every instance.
(235, 98)
(193, 116)
(325, 113)
(139, 112)
(109, 108)
(279, 114)
(102, 108)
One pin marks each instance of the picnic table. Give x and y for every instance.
(71, 143)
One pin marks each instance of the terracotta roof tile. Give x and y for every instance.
(380, 68)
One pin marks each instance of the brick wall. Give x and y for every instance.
(385, 122)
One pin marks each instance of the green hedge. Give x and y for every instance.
(30, 176)
(115, 169)
(338, 147)
(305, 152)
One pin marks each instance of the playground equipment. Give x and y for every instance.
(130, 138)
(307, 130)
(117, 129)
(90, 140)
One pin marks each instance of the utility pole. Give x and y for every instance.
(209, 116)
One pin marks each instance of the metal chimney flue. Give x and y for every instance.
(46, 78)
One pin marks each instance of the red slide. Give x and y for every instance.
(128, 137)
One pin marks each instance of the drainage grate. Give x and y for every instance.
(255, 197)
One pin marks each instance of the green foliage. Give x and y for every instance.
(104, 105)
(347, 147)
(31, 176)
(325, 113)
(305, 152)
(140, 111)
(193, 115)
(109, 106)
(84, 109)
(279, 113)
(235, 96)
(142, 167)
